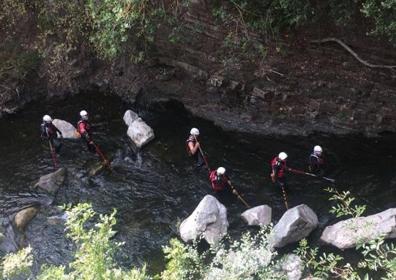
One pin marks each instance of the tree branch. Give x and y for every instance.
(348, 49)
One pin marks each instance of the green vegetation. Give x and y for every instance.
(250, 257)
(109, 27)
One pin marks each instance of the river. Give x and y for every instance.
(156, 188)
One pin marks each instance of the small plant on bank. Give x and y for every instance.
(17, 265)
(250, 257)
(344, 204)
(94, 257)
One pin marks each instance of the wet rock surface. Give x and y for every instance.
(50, 183)
(307, 89)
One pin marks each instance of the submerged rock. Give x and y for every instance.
(67, 129)
(23, 217)
(296, 224)
(348, 233)
(258, 216)
(140, 133)
(208, 220)
(50, 183)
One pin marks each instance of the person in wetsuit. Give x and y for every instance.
(51, 133)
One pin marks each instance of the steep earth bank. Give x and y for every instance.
(291, 87)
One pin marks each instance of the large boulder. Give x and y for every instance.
(50, 183)
(23, 217)
(348, 233)
(67, 129)
(257, 216)
(129, 117)
(140, 133)
(208, 220)
(296, 224)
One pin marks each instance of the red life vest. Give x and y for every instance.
(218, 184)
(83, 127)
(192, 139)
(280, 165)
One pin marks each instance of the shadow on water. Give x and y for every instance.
(155, 188)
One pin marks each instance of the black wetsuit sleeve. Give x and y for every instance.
(43, 132)
(58, 131)
(275, 168)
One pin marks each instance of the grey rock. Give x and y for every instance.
(140, 133)
(129, 117)
(292, 266)
(67, 129)
(348, 233)
(50, 183)
(7, 238)
(208, 220)
(257, 216)
(296, 224)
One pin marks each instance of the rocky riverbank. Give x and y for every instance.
(292, 87)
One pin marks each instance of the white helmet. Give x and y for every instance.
(317, 149)
(282, 156)
(84, 114)
(220, 171)
(194, 131)
(47, 119)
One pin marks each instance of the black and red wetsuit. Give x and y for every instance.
(197, 155)
(316, 163)
(219, 183)
(50, 132)
(85, 130)
(279, 168)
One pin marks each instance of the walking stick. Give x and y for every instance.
(284, 197)
(203, 155)
(105, 161)
(234, 191)
(53, 155)
(296, 171)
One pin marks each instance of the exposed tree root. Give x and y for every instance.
(348, 49)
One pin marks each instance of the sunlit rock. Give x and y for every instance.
(257, 216)
(208, 220)
(129, 117)
(348, 233)
(296, 224)
(67, 129)
(292, 266)
(50, 183)
(140, 133)
(23, 217)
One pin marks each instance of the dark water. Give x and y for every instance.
(154, 189)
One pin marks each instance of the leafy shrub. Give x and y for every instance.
(94, 258)
(17, 265)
